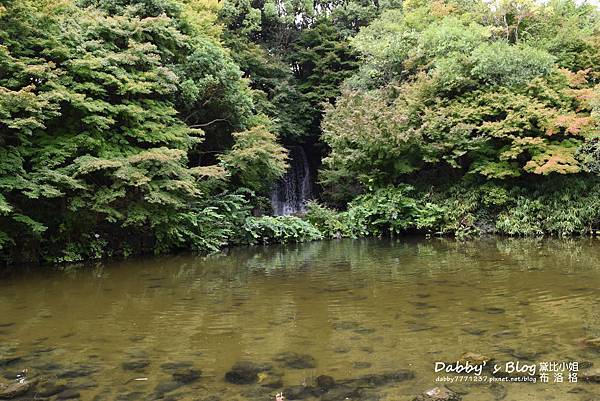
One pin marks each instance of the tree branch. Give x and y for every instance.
(216, 120)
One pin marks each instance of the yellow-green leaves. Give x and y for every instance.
(485, 97)
(503, 64)
(256, 159)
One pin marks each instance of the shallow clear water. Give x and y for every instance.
(356, 307)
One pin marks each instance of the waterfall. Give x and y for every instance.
(291, 192)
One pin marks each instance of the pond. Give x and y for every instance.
(330, 320)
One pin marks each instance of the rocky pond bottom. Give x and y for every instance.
(329, 321)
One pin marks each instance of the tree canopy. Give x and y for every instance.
(475, 89)
(108, 110)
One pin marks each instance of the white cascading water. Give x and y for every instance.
(294, 189)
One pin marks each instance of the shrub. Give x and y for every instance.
(564, 207)
(283, 229)
(330, 222)
(387, 211)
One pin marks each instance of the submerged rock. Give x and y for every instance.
(38, 352)
(459, 388)
(577, 390)
(12, 390)
(171, 367)
(341, 393)
(86, 385)
(7, 361)
(474, 358)
(422, 305)
(270, 380)
(256, 393)
(474, 331)
(507, 334)
(297, 392)
(438, 394)
(530, 356)
(131, 396)
(586, 364)
(325, 382)
(293, 360)
(493, 310)
(165, 387)
(591, 375)
(381, 379)
(49, 367)
(104, 395)
(364, 330)
(186, 376)
(244, 372)
(498, 391)
(136, 365)
(49, 389)
(75, 372)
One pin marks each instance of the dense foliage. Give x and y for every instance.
(132, 126)
(108, 111)
(490, 110)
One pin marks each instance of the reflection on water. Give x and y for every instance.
(345, 309)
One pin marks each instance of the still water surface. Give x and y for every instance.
(346, 308)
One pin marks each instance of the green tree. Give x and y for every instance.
(102, 109)
(322, 59)
(438, 90)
